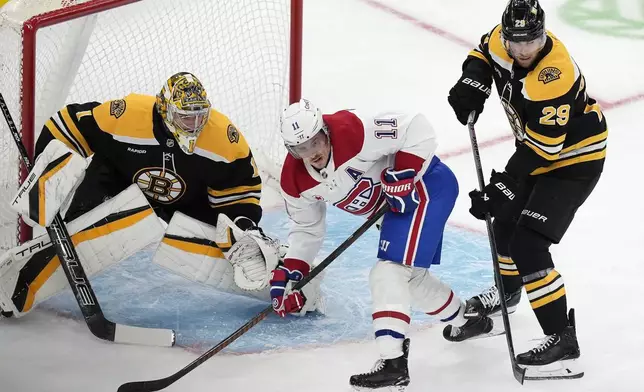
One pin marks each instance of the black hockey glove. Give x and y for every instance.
(469, 93)
(501, 189)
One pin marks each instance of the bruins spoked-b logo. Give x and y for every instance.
(511, 113)
(549, 74)
(117, 108)
(159, 184)
(233, 134)
(514, 119)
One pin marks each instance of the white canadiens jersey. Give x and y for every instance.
(361, 148)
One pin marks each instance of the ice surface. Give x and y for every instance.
(373, 55)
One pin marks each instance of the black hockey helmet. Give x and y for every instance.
(523, 20)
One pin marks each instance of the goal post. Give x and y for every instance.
(248, 54)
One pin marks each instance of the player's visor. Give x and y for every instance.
(310, 147)
(524, 49)
(190, 122)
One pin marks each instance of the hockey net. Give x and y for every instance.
(54, 52)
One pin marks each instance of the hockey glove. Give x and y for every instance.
(501, 189)
(284, 300)
(469, 93)
(400, 189)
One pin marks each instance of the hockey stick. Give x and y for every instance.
(161, 383)
(519, 372)
(101, 327)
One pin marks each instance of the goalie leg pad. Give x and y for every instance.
(48, 187)
(123, 225)
(389, 283)
(187, 249)
(432, 296)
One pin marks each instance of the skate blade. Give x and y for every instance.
(560, 370)
(497, 330)
(399, 388)
(511, 309)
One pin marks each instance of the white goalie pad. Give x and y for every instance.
(54, 177)
(116, 229)
(198, 251)
(188, 249)
(252, 254)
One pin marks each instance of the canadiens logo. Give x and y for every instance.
(160, 184)
(117, 108)
(549, 74)
(233, 134)
(363, 198)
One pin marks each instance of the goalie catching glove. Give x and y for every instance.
(251, 253)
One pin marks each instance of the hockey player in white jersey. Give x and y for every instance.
(357, 163)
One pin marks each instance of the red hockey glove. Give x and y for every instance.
(287, 301)
(400, 190)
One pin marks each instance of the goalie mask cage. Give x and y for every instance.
(247, 53)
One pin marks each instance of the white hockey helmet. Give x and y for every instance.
(300, 123)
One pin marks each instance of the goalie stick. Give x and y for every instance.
(101, 327)
(161, 383)
(519, 372)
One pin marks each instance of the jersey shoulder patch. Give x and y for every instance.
(294, 178)
(554, 76)
(130, 117)
(221, 141)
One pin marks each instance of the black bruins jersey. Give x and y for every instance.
(128, 134)
(558, 128)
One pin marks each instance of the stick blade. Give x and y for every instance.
(519, 372)
(144, 386)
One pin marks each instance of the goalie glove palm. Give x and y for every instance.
(400, 189)
(282, 278)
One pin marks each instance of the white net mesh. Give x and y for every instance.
(238, 49)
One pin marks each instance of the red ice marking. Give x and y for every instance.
(419, 23)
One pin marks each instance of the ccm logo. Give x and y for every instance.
(508, 193)
(534, 215)
(477, 85)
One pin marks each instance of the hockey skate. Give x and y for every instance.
(473, 328)
(386, 375)
(488, 303)
(555, 357)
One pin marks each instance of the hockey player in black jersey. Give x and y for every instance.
(170, 156)
(560, 150)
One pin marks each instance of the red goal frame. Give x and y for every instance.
(28, 88)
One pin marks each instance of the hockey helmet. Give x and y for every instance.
(184, 106)
(523, 30)
(302, 128)
(523, 20)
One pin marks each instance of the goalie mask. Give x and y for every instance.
(183, 104)
(303, 129)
